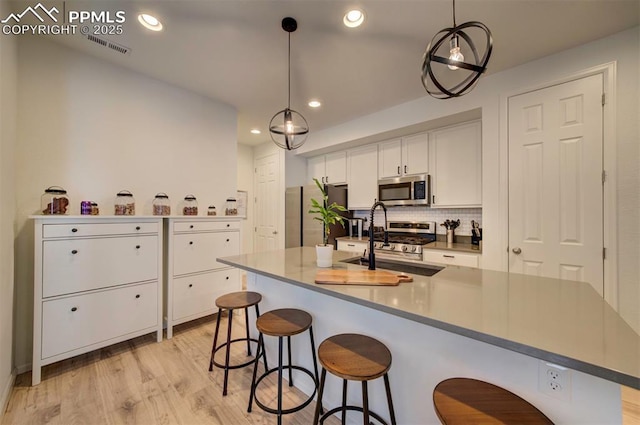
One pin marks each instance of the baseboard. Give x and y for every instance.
(6, 392)
(22, 368)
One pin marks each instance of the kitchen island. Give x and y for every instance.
(499, 327)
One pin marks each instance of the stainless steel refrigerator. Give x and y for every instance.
(301, 229)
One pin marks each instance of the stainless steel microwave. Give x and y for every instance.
(405, 191)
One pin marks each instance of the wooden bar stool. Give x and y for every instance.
(283, 323)
(354, 357)
(230, 302)
(459, 401)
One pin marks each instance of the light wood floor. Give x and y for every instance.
(143, 382)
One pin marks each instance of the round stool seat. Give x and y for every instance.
(354, 357)
(465, 401)
(239, 299)
(284, 322)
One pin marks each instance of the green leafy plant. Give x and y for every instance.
(327, 215)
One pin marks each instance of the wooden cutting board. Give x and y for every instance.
(361, 277)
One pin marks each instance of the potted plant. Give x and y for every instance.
(328, 215)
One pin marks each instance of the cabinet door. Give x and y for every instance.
(362, 178)
(196, 295)
(315, 169)
(336, 168)
(353, 246)
(390, 159)
(197, 252)
(456, 177)
(76, 265)
(415, 154)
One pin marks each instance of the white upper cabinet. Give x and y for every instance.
(362, 177)
(329, 169)
(456, 166)
(403, 157)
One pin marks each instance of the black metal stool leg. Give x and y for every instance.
(259, 350)
(266, 367)
(226, 359)
(280, 379)
(344, 401)
(365, 403)
(387, 387)
(316, 416)
(289, 356)
(313, 354)
(246, 321)
(215, 340)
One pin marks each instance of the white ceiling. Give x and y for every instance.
(235, 51)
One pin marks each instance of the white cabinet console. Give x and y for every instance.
(194, 278)
(97, 281)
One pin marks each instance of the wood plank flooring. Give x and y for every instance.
(143, 382)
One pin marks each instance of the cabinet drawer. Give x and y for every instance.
(202, 226)
(79, 321)
(97, 229)
(450, 257)
(194, 253)
(352, 246)
(77, 265)
(197, 294)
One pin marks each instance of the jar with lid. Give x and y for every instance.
(232, 207)
(190, 205)
(54, 201)
(161, 204)
(211, 210)
(125, 204)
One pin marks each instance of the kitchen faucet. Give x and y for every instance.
(372, 256)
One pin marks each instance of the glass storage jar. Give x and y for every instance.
(125, 204)
(54, 201)
(94, 209)
(232, 207)
(190, 205)
(161, 204)
(211, 210)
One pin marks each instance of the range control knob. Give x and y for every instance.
(413, 248)
(377, 245)
(405, 248)
(392, 247)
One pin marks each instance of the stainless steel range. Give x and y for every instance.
(406, 239)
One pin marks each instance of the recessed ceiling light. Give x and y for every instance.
(315, 103)
(255, 131)
(150, 22)
(353, 18)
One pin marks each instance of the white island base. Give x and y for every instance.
(422, 357)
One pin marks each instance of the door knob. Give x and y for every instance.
(516, 250)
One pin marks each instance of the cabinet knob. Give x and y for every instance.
(191, 226)
(191, 285)
(75, 251)
(227, 278)
(137, 246)
(74, 230)
(137, 227)
(74, 308)
(190, 242)
(137, 295)
(398, 169)
(228, 225)
(227, 240)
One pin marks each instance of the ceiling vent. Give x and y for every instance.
(109, 44)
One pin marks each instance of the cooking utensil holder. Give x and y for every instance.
(450, 236)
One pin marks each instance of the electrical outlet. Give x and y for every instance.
(554, 380)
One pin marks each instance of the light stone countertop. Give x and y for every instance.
(563, 322)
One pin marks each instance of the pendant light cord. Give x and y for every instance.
(289, 75)
(454, 13)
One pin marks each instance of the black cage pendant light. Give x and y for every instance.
(288, 128)
(452, 69)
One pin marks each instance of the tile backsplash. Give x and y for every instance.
(439, 215)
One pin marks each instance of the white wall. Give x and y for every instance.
(95, 129)
(490, 95)
(245, 182)
(8, 103)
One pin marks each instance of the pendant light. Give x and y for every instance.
(288, 128)
(448, 72)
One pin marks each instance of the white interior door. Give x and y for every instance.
(555, 182)
(266, 203)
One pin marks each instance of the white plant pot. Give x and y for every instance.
(324, 255)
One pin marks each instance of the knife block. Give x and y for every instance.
(476, 236)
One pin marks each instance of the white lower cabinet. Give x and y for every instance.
(352, 246)
(193, 277)
(450, 257)
(97, 281)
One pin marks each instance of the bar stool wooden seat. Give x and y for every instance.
(354, 357)
(459, 401)
(230, 302)
(283, 323)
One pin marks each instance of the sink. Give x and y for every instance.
(398, 266)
